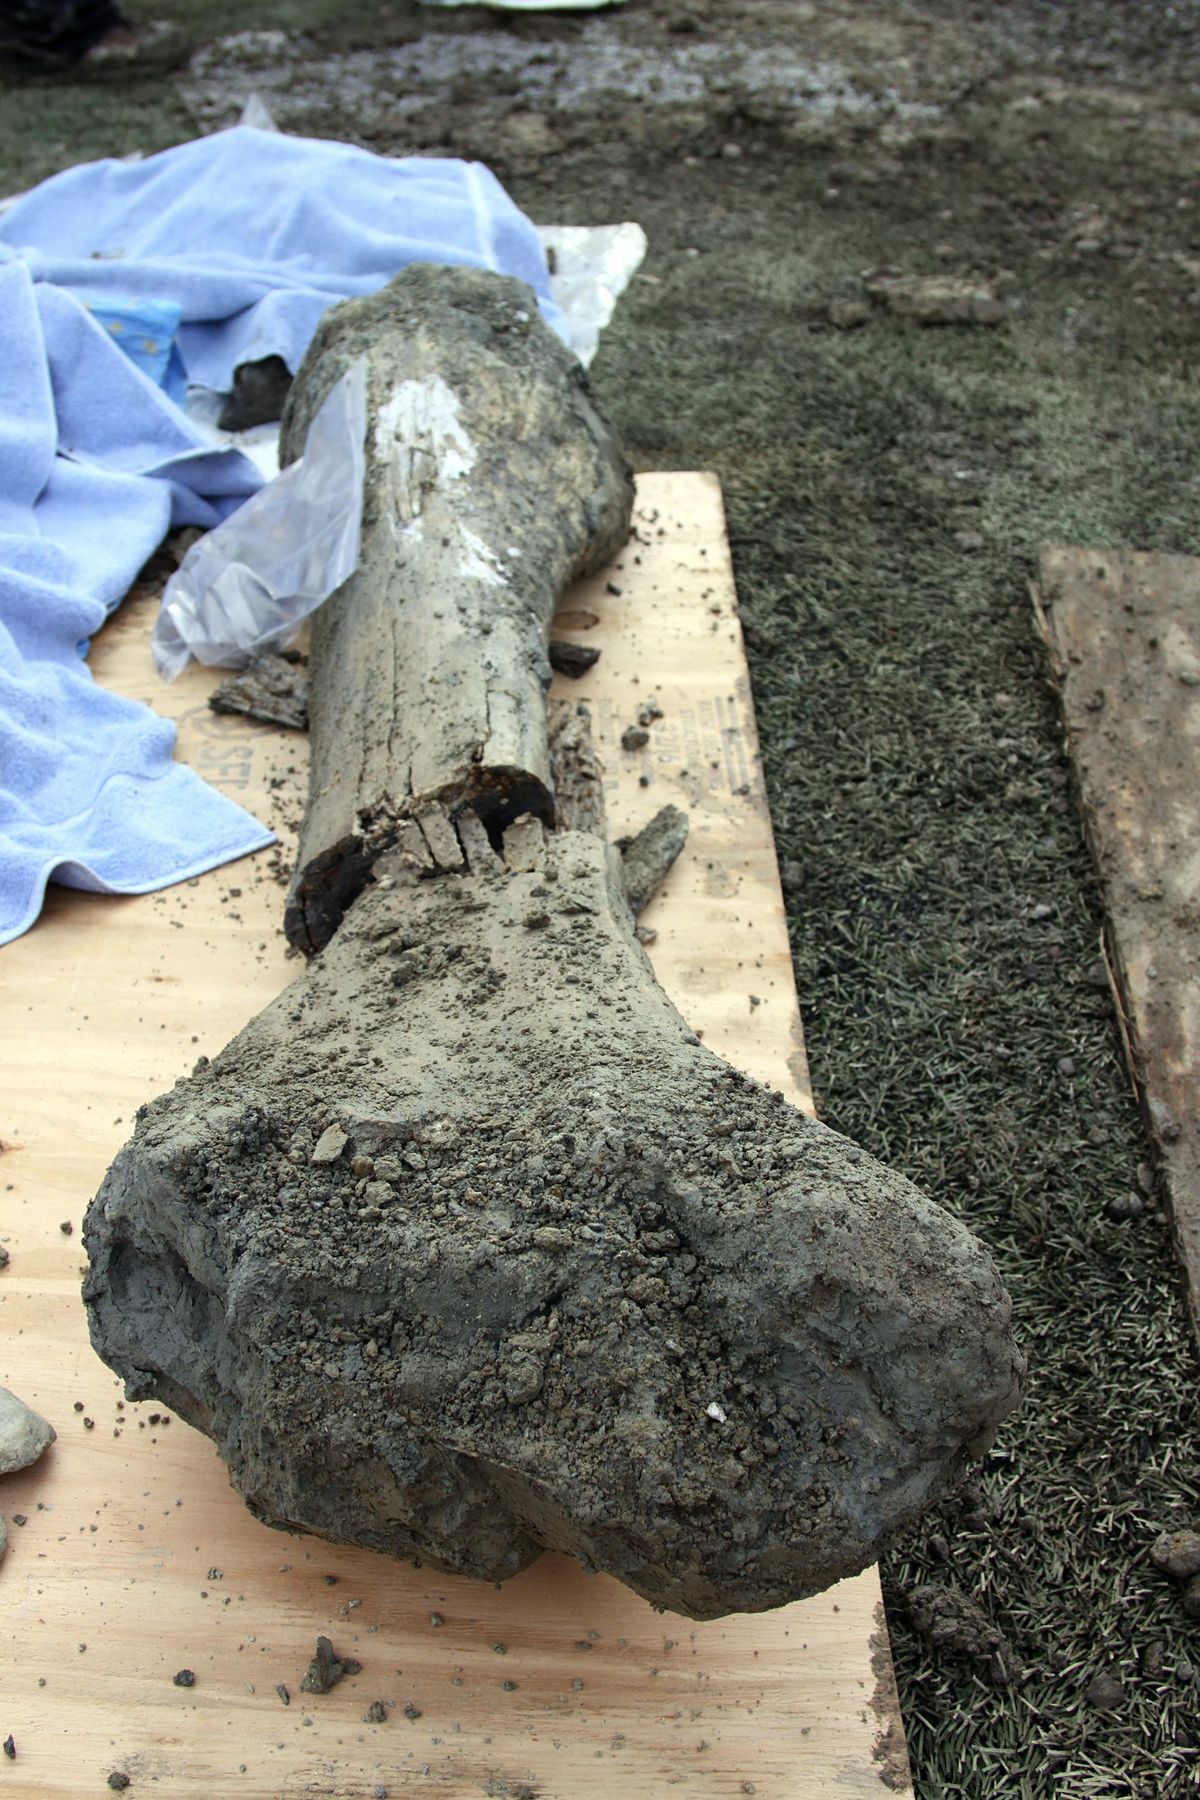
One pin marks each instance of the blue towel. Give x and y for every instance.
(251, 235)
(254, 234)
(96, 465)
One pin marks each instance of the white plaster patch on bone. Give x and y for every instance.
(420, 440)
(478, 560)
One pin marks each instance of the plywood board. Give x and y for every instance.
(1124, 627)
(137, 1560)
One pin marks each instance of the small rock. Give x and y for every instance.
(1126, 1206)
(3, 1257)
(184, 1678)
(848, 315)
(634, 737)
(975, 540)
(1191, 1598)
(118, 1780)
(1105, 1691)
(793, 875)
(1177, 1553)
(24, 1434)
(376, 1714)
(10, 1747)
(938, 299)
(572, 659)
(1066, 1065)
(329, 1146)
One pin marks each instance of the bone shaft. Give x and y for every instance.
(491, 481)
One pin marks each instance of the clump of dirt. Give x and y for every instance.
(951, 1621)
(326, 1669)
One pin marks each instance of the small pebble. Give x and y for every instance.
(23, 1434)
(1105, 1691)
(1126, 1206)
(10, 1748)
(1177, 1553)
(184, 1678)
(634, 737)
(848, 315)
(118, 1780)
(66, 1228)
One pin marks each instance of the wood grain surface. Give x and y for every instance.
(1124, 629)
(136, 1560)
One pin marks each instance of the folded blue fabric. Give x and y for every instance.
(146, 331)
(254, 234)
(93, 473)
(248, 236)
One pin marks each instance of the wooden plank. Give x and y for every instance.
(135, 1545)
(1124, 627)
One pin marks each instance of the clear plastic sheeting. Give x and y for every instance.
(590, 268)
(245, 588)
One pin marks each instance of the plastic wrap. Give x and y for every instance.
(245, 588)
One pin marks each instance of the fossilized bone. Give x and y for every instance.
(492, 482)
(466, 1247)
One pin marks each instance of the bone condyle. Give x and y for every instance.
(465, 1247)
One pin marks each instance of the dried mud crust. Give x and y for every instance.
(467, 1248)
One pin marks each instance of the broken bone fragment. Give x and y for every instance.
(272, 688)
(465, 1248)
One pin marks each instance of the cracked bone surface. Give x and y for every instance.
(492, 482)
(466, 1248)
